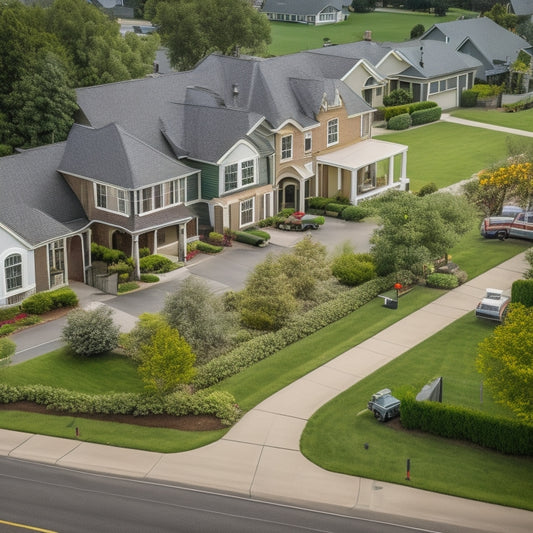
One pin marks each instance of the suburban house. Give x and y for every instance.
(430, 70)
(305, 11)
(481, 38)
(155, 162)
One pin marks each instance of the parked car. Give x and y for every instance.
(384, 405)
(502, 227)
(493, 306)
(299, 221)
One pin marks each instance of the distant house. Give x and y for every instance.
(305, 11)
(481, 38)
(522, 8)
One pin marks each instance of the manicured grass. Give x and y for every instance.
(61, 368)
(335, 436)
(523, 120)
(444, 153)
(289, 38)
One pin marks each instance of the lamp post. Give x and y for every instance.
(397, 286)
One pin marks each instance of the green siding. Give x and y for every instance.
(192, 187)
(209, 178)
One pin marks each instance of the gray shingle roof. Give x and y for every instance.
(372, 51)
(493, 41)
(41, 206)
(111, 155)
(522, 7)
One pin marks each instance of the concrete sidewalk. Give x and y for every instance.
(260, 458)
(446, 117)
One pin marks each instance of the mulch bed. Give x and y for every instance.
(183, 423)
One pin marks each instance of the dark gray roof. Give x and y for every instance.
(110, 155)
(35, 201)
(431, 59)
(372, 51)
(493, 41)
(522, 7)
(299, 7)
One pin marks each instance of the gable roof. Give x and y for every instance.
(522, 7)
(111, 155)
(36, 203)
(495, 43)
(299, 7)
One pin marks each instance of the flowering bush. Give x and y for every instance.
(16, 318)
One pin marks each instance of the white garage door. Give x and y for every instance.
(446, 100)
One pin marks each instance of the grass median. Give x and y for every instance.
(522, 120)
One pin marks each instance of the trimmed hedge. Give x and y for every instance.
(156, 263)
(301, 326)
(355, 213)
(455, 422)
(468, 98)
(259, 233)
(249, 238)
(424, 116)
(522, 292)
(37, 304)
(208, 248)
(107, 255)
(399, 122)
(218, 403)
(394, 111)
(334, 207)
(418, 106)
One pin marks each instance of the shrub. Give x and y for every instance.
(144, 252)
(7, 350)
(267, 222)
(394, 111)
(8, 313)
(355, 213)
(352, 270)
(288, 211)
(418, 106)
(318, 202)
(127, 286)
(208, 248)
(400, 122)
(442, 281)
(107, 255)
(248, 238)
(428, 188)
(468, 98)
(259, 233)
(64, 297)
(156, 263)
(484, 90)
(120, 268)
(91, 332)
(7, 329)
(141, 334)
(417, 31)
(216, 238)
(461, 275)
(335, 208)
(149, 278)
(398, 97)
(37, 304)
(424, 116)
(522, 292)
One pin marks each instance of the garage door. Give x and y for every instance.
(446, 100)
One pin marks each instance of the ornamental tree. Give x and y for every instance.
(506, 361)
(167, 361)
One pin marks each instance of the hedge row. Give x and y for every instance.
(249, 238)
(156, 263)
(41, 302)
(218, 403)
(399, 122)
(424, 116)
(522, 292)
(454, 422)
(266, 345)
(394, 111)
(518, 106)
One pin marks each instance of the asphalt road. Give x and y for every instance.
(45, 498)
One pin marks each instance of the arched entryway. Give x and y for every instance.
(289, 194)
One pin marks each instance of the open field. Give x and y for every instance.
(522, 120)
(444, 153)
(289, 38)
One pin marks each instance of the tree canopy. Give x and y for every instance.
(192, 29)
(506, 361)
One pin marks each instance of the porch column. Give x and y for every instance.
(339, 179)
(391, 170)
(182, 242)
(353, 187)
(403, 175)
(301, 199)
(135, 255)
(155, 241)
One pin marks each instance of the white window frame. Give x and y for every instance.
(286, 152)
(333, 131)
(244, 173)
(247, 207)
(308, 140)
(162, 195)
(111, 199)
(13, 271)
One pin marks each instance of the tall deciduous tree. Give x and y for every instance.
(506, 361)
(167, 361)
(192, 29)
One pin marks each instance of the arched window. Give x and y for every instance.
(13, 271)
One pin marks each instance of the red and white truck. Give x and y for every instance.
(502, 227)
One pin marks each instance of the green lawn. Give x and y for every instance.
(444, 153)
(523, 120)
(335, 436)
(289, 38)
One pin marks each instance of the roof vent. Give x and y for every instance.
(368, 35)
(235, 93)
(421, 57)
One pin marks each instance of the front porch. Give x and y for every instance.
(362, 170)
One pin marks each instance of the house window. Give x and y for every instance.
(247, 172)
(333, 131)
(13, 271)
(434, 87)
(365, 125)
(101, 196)
(379, 91)
(56, 262)
(176, 192)
(122, 203)
(308, 141)
(247, 211)
(230, 177)
(158, 196)
(286, 147)
(146, 199)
